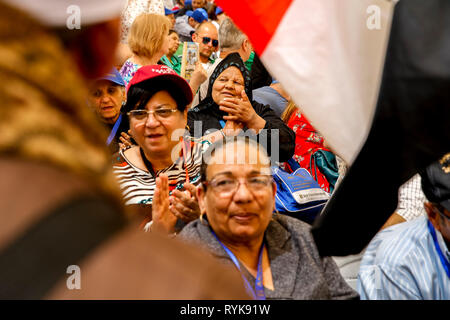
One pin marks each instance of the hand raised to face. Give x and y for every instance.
(240, 109)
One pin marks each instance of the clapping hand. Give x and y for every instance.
(163, 218)
(184, 204)
(125, 140)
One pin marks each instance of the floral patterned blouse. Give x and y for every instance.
(307, 141)
(133, 9)
(128, 70)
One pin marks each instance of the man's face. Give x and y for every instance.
(206, 49)
(197, 4)
(171, 17)
(106, 98)
(174, 42)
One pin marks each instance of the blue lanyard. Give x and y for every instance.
(222, 123)
(444, 261)
(114, 130)
(258, 292)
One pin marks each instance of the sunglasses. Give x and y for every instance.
(207, 40)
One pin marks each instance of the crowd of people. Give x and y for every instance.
(121, 141)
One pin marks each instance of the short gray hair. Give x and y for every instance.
(230, 37)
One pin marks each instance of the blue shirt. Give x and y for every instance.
(402, 262)
(269, 96)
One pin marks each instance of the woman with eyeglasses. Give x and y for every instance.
(163, 164)
(228, 109)
(275, 254)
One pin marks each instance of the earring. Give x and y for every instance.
(201, 216)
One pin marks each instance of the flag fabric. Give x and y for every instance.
(410, 129)
(329, 56)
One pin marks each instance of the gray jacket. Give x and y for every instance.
(183, 28)
(298, 271)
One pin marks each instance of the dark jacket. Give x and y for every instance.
(298, 272)
(209, 114)
(259, 74)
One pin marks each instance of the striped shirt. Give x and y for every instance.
(138, 186)
(402, 263)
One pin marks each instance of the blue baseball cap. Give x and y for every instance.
(218, 11)
(168, 11)
(113, 76)
(198, 15)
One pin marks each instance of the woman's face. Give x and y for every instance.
(229, 83)
(165, 46)
(106, 98)
(243, 215)
(173, 43)
(155, 134)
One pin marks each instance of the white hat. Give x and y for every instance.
(60, 13)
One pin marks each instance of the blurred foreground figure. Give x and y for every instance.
(59, 203)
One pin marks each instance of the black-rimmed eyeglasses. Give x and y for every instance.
(142, 115)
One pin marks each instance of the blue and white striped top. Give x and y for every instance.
(402, 263)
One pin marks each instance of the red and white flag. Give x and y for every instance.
(327, 54)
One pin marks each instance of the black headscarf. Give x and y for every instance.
(232, 60)
(210, 116)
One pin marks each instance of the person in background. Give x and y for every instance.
(60, 205)
(171, 59)
(231, 39)
(275, 254)
(260, 76)
(185, 25)
(148, 40)
(410, 206)
(220, 15)
(308, 141)
(106, 96)
(157, 103)
(179, 4)
(229, 109)
(411, 260)
(207, 38)
(170, 14)
(274, 95)
(410, 202)
(192, 6)
(133, 9)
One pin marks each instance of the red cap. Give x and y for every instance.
(157, 72)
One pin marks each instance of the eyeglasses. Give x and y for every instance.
(207, 40)
(226, 186)
(142, 115)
